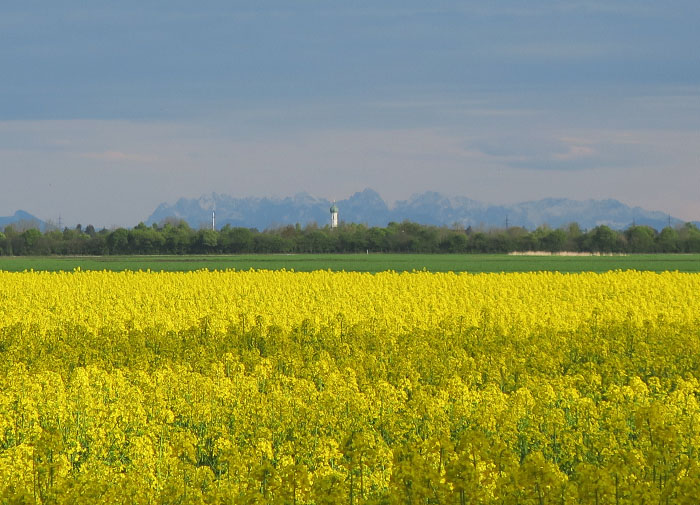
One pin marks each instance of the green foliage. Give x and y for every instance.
(176, 237)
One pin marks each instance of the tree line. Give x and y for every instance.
(177, 237)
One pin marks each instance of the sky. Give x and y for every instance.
(108, 109)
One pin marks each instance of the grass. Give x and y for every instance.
(362, 262)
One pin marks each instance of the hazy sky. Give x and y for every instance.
(109, 108)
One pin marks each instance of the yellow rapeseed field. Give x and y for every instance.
(318, 388)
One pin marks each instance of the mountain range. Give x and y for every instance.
(22, 220)
(430, 208)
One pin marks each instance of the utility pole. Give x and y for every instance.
(506, 222)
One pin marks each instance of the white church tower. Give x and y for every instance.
(334, 216)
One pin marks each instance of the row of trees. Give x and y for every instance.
(176, 237)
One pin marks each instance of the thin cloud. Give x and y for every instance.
(575, 153)
(544, 153)
(548, 51)
(119, 156)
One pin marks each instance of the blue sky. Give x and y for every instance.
(109, 108)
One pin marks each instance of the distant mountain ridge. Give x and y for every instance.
(23, 220)
(430, 208)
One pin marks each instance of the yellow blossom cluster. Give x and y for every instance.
(318, 388)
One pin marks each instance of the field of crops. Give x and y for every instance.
(475, 263)
(325, 388)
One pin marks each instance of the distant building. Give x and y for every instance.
(334, 216)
